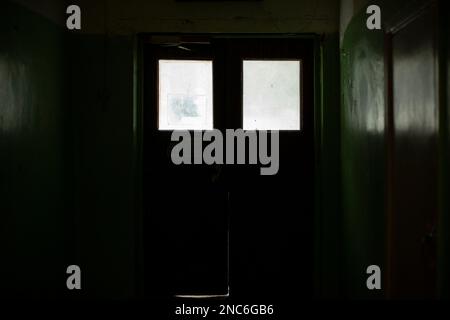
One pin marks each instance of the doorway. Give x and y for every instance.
(226, 230)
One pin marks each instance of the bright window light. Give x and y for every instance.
(185, 95)
(271, 95)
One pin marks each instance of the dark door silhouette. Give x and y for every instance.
(413, 196)
(211, 229)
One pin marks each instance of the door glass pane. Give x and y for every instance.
(185, 95)
(271, 95)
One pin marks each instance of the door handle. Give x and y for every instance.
(430, 236)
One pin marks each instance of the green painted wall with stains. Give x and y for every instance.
(35, 226)
(362, 154)
(66, 151)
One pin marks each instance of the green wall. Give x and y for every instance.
(35, 226)
(362, 155)
(67, 179)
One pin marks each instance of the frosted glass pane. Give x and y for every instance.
(185, 95)
(271, 95)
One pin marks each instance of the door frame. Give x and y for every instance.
(139, 42)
